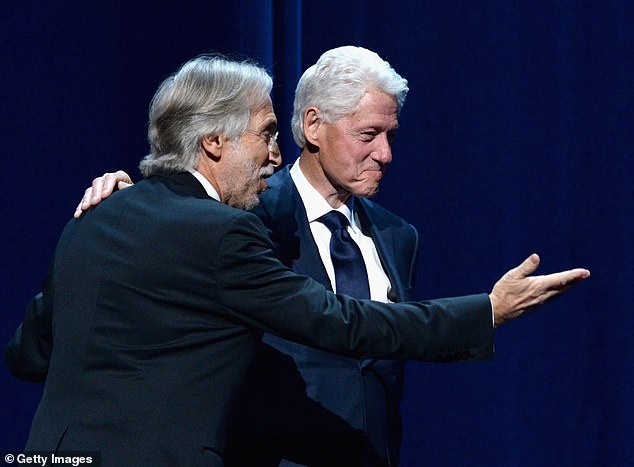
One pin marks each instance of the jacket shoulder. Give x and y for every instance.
(382, 217)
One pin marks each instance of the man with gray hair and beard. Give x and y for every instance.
(300, 405)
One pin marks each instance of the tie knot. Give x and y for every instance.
(334, 220)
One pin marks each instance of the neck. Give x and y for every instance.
(314, 173)
(206, 170)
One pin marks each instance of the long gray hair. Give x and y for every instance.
(207, 95)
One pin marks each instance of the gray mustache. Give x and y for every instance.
(266, 172)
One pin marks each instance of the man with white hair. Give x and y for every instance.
(335, 410)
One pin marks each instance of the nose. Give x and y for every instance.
(383, 152)
(275, 157)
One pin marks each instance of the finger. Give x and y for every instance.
(110, 182)
(85, 201)
(528, 267)
(564, 279)
(97, 189)
(78, 211)
(122, 185)
(123, 177)
(114, 180)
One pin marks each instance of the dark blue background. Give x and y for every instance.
(516, 137)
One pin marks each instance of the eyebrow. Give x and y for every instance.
(378, 128)
(271, 125)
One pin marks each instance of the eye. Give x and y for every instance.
(368, 135)
(269, 132)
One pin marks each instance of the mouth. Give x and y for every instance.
(264, 174)
(262, 186)
(378, 172)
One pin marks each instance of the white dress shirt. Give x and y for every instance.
(209, 188)
(316, 206)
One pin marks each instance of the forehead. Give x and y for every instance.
(375, 108)
(263, 115)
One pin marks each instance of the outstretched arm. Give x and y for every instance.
(101, 188)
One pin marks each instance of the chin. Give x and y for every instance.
(367, 192)
(244, 201)
(247, 205)
(253, 203)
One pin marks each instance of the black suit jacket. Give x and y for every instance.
(347, 409)
(152, 310)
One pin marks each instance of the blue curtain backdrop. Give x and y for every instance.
(516, 137)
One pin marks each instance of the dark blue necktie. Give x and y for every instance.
(351, 276)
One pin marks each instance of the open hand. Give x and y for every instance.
(518, 291)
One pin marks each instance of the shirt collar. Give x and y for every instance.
(314, 203)
(211, 191)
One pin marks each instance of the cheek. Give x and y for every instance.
(255, 152)
(343, 171)
(347, 159)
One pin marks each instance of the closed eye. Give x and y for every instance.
(368, 136)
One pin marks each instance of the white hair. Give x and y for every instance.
(338, 81)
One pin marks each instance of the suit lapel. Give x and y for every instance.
(383, 238)
(292, 234)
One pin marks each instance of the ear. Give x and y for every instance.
(214, 145)
(312, 123)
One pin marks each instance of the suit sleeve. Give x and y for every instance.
(259, 291)
(29, 350)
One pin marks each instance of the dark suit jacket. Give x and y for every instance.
(356, 420)
(152, 310)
